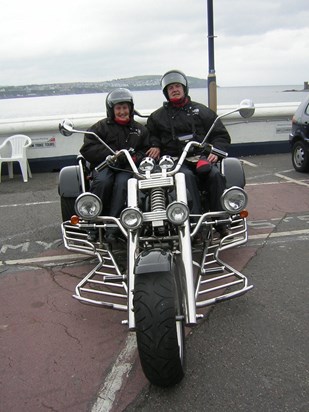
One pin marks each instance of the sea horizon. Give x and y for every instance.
(28, 107)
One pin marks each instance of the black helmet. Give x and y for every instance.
(174, 76)
(120, 95)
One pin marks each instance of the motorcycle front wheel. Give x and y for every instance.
(159, 328)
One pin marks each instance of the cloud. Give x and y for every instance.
(277, 57)
(259, 17)
(93, 40)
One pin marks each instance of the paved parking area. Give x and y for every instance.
(249, 355)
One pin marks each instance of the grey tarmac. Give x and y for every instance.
(249, 354)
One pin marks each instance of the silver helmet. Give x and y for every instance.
(174, 76)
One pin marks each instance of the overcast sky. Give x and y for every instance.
(259, 42)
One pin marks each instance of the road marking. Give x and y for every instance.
(290, 180)
(288, 171)
(24, 247)
(286, 180)
(43, 259)
(280, 234)
(248, 163)
(267, 183)
(31, 204)
(115, 378)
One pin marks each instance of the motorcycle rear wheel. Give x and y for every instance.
(67, 207)
(160, 337)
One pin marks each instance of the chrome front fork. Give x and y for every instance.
(186, 256)
(132, 253)
(185, 249)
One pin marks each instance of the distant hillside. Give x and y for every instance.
(133, 83)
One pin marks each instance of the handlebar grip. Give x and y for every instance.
(108, 161)
(101, 166)
(219, 152)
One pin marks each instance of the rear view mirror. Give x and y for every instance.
(246, 108)
(66, 127)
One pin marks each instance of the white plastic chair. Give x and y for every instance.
(18, 145)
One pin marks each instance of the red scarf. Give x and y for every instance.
(179, 102)
(121, 121)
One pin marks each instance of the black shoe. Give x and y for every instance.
(223, 231)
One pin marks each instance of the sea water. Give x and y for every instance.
(144, 100)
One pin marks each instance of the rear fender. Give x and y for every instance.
(153, 261)
(70, 183)
(233, 171)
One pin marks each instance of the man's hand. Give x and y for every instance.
(154, 152)
(212, 158)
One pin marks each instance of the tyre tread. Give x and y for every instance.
(155, 314)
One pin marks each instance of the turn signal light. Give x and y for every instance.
(244, 213)
(74, 220)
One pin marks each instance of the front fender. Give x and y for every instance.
(153, 261)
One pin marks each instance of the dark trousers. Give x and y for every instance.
(214, 183)
(194, 198)
(111, 188)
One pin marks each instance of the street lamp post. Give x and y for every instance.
(212, 85)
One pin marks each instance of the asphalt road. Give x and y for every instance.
(250, 354)
(30, 216)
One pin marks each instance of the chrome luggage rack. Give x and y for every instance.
(105, 285)
(218, 281)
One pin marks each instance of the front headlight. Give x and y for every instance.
(234, 199)
(88, 206)
(177, 212)
(147, 164)
(166, 162)
(131, 218)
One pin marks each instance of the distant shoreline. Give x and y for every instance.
(24, 96)
(45, 94)
(136, 83)
(295, 90)
(67, 90)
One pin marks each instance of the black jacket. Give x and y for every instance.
(134, 135)
(169, 122)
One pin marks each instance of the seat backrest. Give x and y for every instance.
(19, 143)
